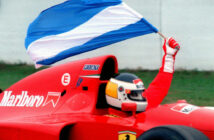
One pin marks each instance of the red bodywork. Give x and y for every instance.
(68, 101)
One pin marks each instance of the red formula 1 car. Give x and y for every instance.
(68, 102)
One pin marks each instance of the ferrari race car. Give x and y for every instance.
(68, 102)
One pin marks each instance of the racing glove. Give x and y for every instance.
(170, 48)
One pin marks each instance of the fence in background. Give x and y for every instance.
(190, 22)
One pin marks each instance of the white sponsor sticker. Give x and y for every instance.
(66, 78)
(184, 108)
(91, 67)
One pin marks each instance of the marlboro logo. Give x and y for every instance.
(53, 98)
(24, 100)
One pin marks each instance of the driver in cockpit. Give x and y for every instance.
(128, 88)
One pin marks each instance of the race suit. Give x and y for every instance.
(159, 87)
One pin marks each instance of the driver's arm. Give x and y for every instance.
(159, 87)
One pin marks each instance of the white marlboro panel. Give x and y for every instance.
(53, 98)
(25, 100)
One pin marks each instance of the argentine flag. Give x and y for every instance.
(78, 26)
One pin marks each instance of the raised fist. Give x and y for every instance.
(171, 47)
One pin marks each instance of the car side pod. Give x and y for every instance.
(130, 107)
(173, 132)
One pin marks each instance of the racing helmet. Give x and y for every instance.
(126, 88)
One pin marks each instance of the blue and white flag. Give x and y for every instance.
(78, 26)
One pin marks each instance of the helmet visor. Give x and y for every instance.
(136, 95)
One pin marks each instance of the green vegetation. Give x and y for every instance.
(193, 86)
(9, 74)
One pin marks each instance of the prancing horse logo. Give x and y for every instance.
(126, 135)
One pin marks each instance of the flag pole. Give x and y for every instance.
(162, 35)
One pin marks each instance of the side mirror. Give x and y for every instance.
(129, 107)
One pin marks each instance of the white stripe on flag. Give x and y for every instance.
(110, 19)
